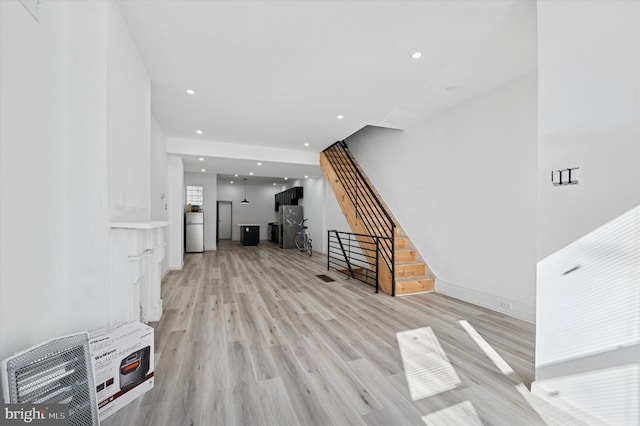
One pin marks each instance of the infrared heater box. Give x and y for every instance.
(122, 360)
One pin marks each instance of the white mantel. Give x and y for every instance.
(142, 224)
(137, 249)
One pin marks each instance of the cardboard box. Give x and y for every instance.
(122, 361)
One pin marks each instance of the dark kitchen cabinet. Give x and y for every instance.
(249, 235)
(289, 197)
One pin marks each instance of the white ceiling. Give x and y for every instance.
(277, 73)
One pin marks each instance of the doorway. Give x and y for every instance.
(223, 227)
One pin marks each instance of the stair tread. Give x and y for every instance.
(397, 249)
(410, 262)
(413, 278)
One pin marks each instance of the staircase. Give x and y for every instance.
(401, 271)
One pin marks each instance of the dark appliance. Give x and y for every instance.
(290, 218)
(134, 368)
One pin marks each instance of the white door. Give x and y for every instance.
(224, 220)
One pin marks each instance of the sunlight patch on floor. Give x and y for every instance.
(486, 348)
(426, 366)
(463, 413)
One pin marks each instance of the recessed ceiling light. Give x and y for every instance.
(306, 177)
(236, 175)
(417, 55)
(286, 178)
(340, 117)
(203, 170)
(251, 174)
(306, 144)
(231, 182)
(201, 159)
(451, 88)
(259, 163)
(199, 131)
(274, 184)
(190, 91)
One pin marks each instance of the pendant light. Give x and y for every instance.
(245, 201)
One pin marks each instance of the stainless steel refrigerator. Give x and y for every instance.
(290, 218)
(194, 232)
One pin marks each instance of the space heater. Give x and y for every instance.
(56, 372)
(134, 368)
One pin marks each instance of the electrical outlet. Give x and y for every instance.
(506, 305)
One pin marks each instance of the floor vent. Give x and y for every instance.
(325, 278)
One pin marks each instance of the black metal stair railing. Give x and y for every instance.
(368, 208)
(355, 255)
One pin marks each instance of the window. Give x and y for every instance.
(194, 195)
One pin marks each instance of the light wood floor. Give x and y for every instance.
(251, 336)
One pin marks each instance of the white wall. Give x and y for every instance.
(589, 113)
(59, 87)
(261, 211)
(175, 199)
(462, 185)
(159, 163)
(88, 261)
(588, 333)
(313, 210)
(333, 218)
(34, 134)
(323, 212)
(209, 182)
(128, 132)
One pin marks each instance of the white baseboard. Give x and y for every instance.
(495, 303)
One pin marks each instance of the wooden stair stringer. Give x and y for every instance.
(409, 277)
